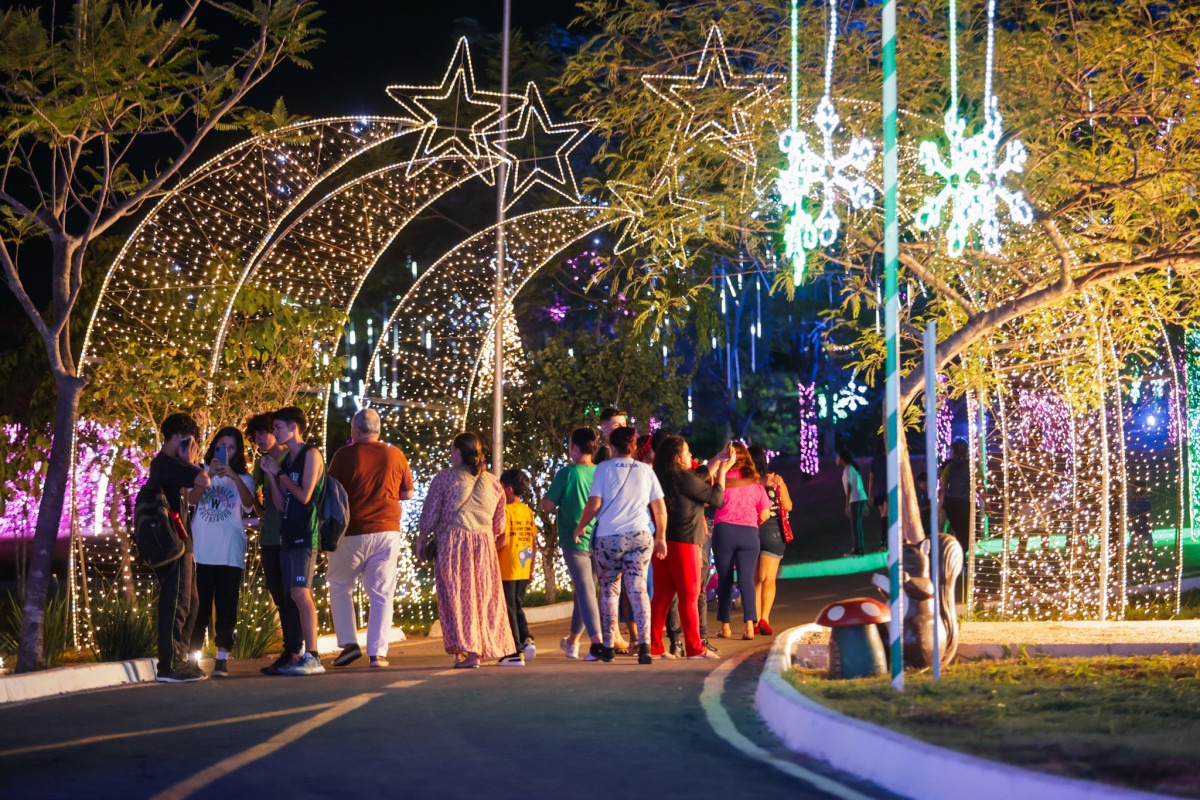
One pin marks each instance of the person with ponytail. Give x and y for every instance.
(462, 526)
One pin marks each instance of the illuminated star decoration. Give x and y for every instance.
(705, 113)
(972, 202)
(538, 161)
(455, 115)
(809, 168)
(685, 213)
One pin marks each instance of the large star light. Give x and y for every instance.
(809, 169)
(665, 195)
(538, 151)
(457, 118)
(706, 114)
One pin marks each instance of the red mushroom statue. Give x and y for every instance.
(855, 649)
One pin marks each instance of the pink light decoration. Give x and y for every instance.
(810, 462)
(557, 312)
(1046, 415)
(945, 420)
(96, 453)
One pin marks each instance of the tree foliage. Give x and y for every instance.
(101, 115)
(1102, 94)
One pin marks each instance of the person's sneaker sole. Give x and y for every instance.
(376, 663)
(348, 656)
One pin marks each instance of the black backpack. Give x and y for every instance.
(154, 532)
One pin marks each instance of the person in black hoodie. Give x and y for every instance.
(174, 471)
(686, 494)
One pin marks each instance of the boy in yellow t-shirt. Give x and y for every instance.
(516, 563)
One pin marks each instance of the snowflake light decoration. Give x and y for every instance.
(809, 168)
(973, 202)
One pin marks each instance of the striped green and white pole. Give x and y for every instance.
(891, 255)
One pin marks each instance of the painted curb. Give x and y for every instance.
(888, 759)
(998, 651)
(81, 678)
(328, 643)
(535, 615)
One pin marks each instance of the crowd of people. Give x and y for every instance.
(633, 525)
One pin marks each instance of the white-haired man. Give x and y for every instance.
(377, 479)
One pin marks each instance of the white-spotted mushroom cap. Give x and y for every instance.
(855, 611)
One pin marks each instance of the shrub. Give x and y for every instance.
(123, 628)
(257, 630)
(56, 635)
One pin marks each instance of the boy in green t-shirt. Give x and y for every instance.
(568, 494)
(516, 563)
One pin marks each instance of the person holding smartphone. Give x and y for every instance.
(220, 542)
(174, 471)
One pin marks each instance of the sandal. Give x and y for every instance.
(621, 651)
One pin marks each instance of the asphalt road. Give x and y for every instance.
(554, 728)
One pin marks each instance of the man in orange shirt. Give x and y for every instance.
(377, 479)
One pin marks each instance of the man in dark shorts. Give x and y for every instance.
(260, 429)
(294, 485)
(174, 471)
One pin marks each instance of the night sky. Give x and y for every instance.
(372, 43)
(369, 44)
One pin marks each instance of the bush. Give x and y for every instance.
(257, 630)
(123, 628)
(56, 635)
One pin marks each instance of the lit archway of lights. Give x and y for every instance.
(432, 357)
(191, 254)
(1066, 464)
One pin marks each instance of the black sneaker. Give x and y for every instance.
(601, 653)
(644, 654)
(350, 653)
(221, 668)
(184, 674)
(285, 659)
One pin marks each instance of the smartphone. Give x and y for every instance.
(185, 446)
(221, 456)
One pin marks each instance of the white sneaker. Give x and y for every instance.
(529, 650)
(572, 650)
(307, 664)
(515, 660)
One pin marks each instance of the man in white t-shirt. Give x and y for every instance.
(626, 501)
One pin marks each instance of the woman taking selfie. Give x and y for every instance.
(220, 542)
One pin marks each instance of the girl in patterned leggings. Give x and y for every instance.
(626, 501)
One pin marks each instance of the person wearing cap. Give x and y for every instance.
(377, 480)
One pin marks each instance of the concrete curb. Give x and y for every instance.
(86, 677)
(888, 759)
(998, 651)
(534, 616)
(328, 644)
(81, 678)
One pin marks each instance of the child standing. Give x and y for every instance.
(856, 500)
(516, 563)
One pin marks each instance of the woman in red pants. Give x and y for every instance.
(686, 492)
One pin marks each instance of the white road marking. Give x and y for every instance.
(404, 684)
(20, 751)
(207, 777)
(722, 725)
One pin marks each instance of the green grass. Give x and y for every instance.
(1126, 721)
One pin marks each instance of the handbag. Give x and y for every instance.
(785, 522)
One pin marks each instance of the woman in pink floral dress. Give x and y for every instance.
(463, 515)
